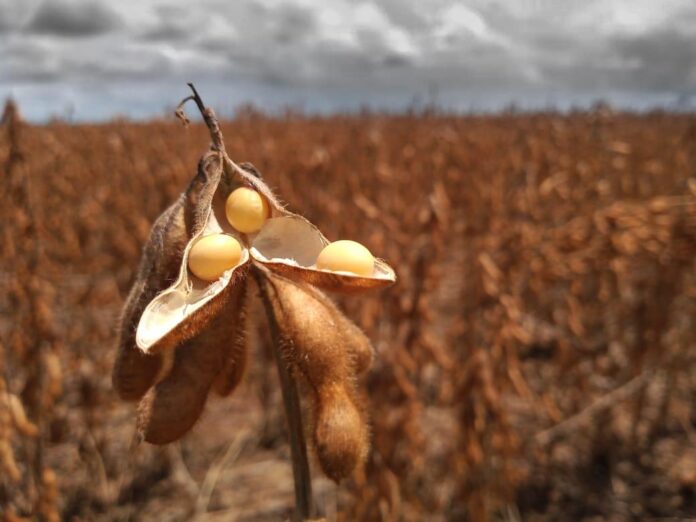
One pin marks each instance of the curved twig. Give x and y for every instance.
(209, 118)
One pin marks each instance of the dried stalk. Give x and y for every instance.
(213, 475)
(572, 423)
(304, 506)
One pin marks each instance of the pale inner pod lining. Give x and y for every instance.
(289, 240)
(292, 240)
(189, 293)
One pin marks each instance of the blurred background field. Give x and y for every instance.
(535, 360)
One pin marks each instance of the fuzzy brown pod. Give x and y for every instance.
(328, 351)
(166, 306)
(182, 336)
(140, 362)
(174, 404)
(234, 363)
(134, 370)
(186, 306)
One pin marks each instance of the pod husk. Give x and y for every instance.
(289, 245)
(137, 367)
(134, 370)
(357, 344)
(318, 342)
(340, 432)
(185, 308)
(181, 337)
(171, 408)
(234, 364)
(189, 304)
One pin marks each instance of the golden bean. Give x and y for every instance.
(346, 256)
(212, 255)
(246, 210)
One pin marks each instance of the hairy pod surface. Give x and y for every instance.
(317, 342)
(356, 342)
(359, 345)
(135, 371)
(186, 306)
(234, 363)
(183, 327)
(165, 308)
(340, 432)
(173, 405)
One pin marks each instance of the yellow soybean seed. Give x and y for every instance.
(246, 210)
(346, 256)
(212, 255)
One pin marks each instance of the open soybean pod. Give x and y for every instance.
(183, 327)
(290, 245)
(180, 333)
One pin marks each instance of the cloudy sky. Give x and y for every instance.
(94, 59)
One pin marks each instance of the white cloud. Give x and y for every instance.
(626, 17)
(369, 17)
(458, 21)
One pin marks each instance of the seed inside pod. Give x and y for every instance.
(346, 256)
(212, 255)
(246, 210)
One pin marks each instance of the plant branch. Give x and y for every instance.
(209, 118)
(215, 471)
(213, 125)
(572, 423)
(304, 505)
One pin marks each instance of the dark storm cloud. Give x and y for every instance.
(408, 16)
(6, 21)
(27, 62)
(173, 25)
(293, 24)
(74, 19)
(660, 60)
(168, 33)
(396, 60)
(302, 45)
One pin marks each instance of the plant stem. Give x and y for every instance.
(304, 506)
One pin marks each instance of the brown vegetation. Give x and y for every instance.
(535, 359)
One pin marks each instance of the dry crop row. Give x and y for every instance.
(535, 358)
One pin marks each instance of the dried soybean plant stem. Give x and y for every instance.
(211, 122)
(304, 507)
(213, 475)
(208, 117)
(617, 395)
